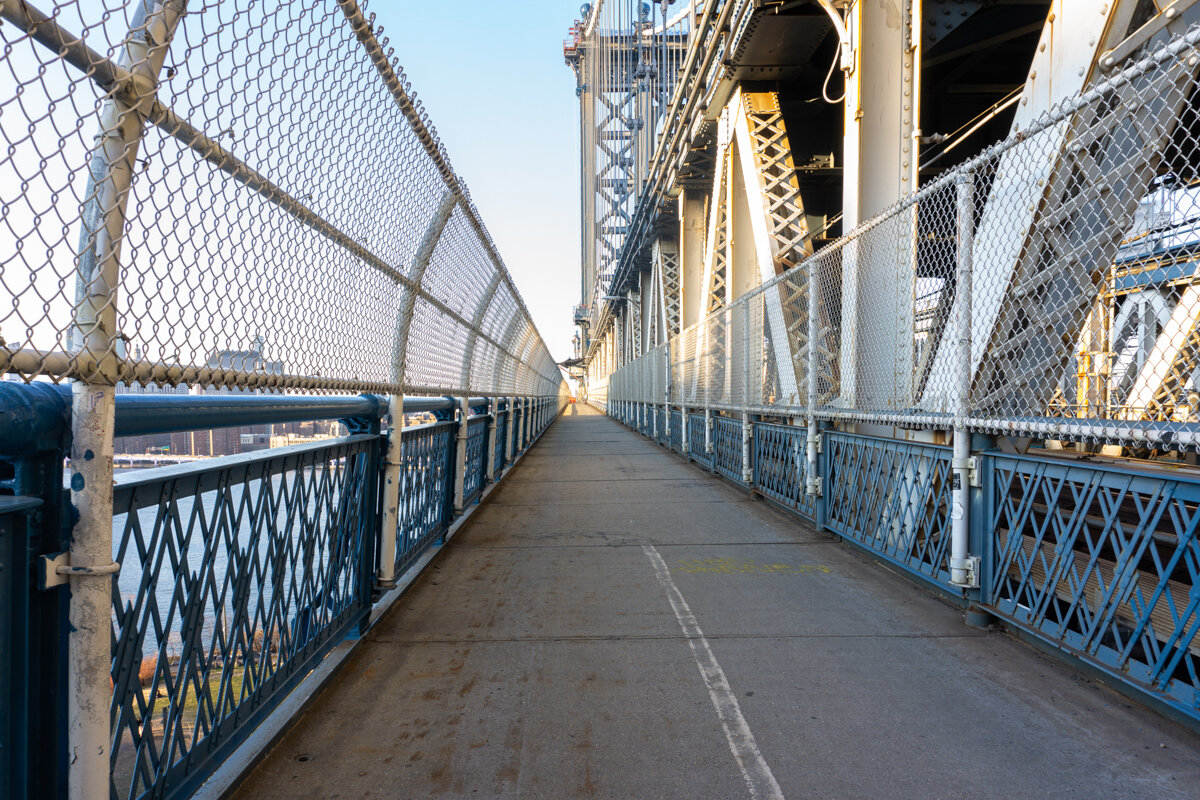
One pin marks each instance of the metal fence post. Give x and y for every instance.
(460, 454)
(963, 568)
(91, 567)
(386, 578)
(813, 484)
(509, 423)
(747, 462)
(524, 423)
(685, 431)
(494, 410)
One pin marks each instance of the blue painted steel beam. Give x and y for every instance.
(35, 415)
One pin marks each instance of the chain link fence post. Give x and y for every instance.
(393, 461)
(95, 336)
(460, 454)
(813, 483)
(509, 421)
(963, 571)
(493, 426)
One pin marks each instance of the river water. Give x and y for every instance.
(284, 549)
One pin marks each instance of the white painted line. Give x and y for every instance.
(750, 761)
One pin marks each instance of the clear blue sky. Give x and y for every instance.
(492, 76)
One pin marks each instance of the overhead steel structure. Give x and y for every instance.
(626, 57)
(805, 166)
(927, 273)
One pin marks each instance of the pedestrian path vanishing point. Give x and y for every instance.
(616, 623)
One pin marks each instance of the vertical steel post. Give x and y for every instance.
(685, 433)
(708, 430)
(391, 494)
(813, 482)
(961, 565)
(526, 423)
(524, 401)
(460, 454)
(494, 410)
(89, 688)
(747, 468)
(511, 408)
(667, 395)
(747, 430)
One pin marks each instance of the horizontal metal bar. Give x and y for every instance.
(35, 416)
(142, 414)
(206, 474)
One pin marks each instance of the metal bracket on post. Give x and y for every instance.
(974, 473)
(968, 568)
(56, 570)
(813, 485)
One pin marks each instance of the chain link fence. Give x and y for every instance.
(1046, 288)
(240, 195)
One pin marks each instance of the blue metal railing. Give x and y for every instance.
(892, 497)
(696, 445)
(476, 468)
(501, 439)
(1102, 563)
(427, 489)
(780, 466)
(238, 574)
(1097, 562)
(727, 447)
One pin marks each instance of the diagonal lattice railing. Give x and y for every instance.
(239, 196)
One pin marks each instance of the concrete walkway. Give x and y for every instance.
(545, 656)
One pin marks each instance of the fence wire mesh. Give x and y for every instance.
(1047, 287)
(239, 194)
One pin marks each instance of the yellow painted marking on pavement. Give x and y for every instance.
(735, 566)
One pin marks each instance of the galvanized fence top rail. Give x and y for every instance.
(1047, 287)
(240, 195)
